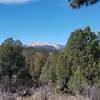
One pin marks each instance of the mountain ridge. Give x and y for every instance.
(46, 45)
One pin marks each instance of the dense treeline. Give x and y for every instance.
(75, 68)
(78, 66)
(20, 61)
(35, 59)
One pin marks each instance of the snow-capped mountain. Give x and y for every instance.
(46, 45)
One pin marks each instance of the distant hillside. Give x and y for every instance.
(46, 45)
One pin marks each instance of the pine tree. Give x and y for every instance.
(11, 58)
(78, 81)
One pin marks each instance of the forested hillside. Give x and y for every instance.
(69, 71)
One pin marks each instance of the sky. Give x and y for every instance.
(44, 20)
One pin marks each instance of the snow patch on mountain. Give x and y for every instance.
(47, 45)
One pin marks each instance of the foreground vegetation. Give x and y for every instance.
(44, 93)
(74, 71)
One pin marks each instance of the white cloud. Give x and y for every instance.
(16, 1)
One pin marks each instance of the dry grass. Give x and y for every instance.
(32, 92)
(45, 93)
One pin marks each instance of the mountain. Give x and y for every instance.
(46, 45)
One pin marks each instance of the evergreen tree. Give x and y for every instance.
(82, 50)
(11, 58)
(48, 72)
(62, 72)
(79, 3)
(78, 81)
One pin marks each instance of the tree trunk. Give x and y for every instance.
(10, 75)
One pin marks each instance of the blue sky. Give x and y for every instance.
(44, 20)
